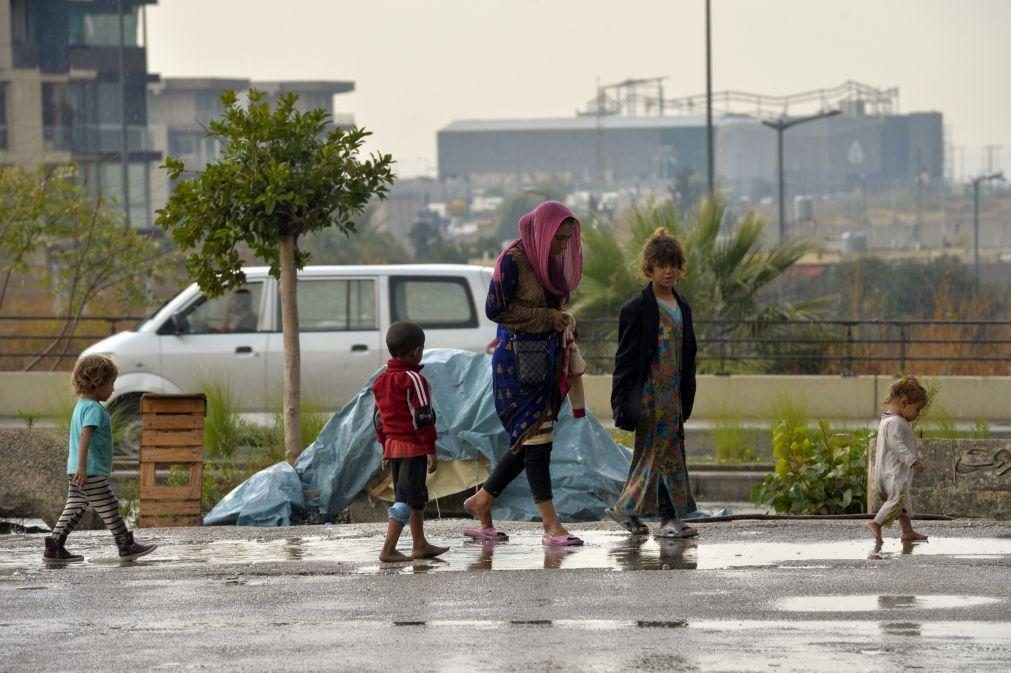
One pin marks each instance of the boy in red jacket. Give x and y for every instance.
(405, 427)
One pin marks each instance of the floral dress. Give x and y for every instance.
(658, 460)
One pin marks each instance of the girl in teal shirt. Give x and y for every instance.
(89, 464)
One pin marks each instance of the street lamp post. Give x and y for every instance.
(779, 126)
(976, 182)
(710, 154)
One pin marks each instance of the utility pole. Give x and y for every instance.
(976, 182)
(710, 159)
(992, 152)
(123, 138)
(598, 172)
(779, 126)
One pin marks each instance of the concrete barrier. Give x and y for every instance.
(34, 482)
(962, 477)
(840, 398)
(44, 394)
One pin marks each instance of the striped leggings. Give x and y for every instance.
(98, 494)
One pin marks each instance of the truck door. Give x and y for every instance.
(222, 345)
(341, 344)
(443, 306)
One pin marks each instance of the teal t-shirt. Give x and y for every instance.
(90, 412)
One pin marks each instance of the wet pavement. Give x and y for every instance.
(603, 550)
(744, 596)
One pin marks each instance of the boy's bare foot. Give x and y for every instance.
(428, 551)
(393, 557)
(913, 536)
(875, 530)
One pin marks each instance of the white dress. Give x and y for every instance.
(893, 467)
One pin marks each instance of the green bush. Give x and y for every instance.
(817, 471)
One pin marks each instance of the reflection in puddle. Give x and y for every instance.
(603, 549)
(870, 602)
(594, 624)
(662, 625)
(900, 628)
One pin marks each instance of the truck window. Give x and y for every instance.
(235, 311)
(336, 304)
(432, 302)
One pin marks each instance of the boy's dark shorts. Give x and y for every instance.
(409, 480)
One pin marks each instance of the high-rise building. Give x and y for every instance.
(73, 83)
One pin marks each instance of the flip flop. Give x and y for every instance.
(486, 534)
(630, 523)
(561, 541)
(676, 530)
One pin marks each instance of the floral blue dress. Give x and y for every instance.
(658, 459)
(521, 307)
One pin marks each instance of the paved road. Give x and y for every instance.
(746, 596)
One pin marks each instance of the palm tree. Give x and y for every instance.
(726, 273)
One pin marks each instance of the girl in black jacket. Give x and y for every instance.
(652, 393)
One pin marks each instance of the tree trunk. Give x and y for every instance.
(292, 354)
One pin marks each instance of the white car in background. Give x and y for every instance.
(344, 311)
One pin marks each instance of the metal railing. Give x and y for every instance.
(844, 347)
(52, 342)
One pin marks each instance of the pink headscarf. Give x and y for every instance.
(558, 274)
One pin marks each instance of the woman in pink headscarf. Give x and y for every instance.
(533, 279)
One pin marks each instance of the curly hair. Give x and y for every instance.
(92, 372)
(907, 387)
(661, 249)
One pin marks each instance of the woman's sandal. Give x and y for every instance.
(629, 522)
(486, 534)
(676, 530)
(567, 540)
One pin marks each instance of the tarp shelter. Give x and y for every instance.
(588, 468)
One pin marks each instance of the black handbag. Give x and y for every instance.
(531, 361)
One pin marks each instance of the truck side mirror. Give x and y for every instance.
(176, 324)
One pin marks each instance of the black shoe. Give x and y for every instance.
(56, 553)
(129, 550)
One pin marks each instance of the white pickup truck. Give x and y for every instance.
(344, 311)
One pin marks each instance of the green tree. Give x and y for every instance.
(78, 246)
(30, 201)
(726, 272)
(282, 174)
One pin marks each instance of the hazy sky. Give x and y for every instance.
(419, 64)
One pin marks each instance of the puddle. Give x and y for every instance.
(603, 550)
(870, 603)
(581, 624)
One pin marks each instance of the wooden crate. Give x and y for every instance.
(172, 433)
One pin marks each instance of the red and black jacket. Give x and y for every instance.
(404, 411)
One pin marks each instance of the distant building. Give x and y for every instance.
(60, 99)
(179, 110)
(583, 149)
(611, 144)
(832, 155)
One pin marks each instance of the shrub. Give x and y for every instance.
(817, 471)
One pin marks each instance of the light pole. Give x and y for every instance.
(710, 159)
(780, 125)
(976, 182)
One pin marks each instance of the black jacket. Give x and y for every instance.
(638, 330)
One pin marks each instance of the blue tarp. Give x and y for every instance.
(588, 468)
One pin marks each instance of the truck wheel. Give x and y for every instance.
(125, 413)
